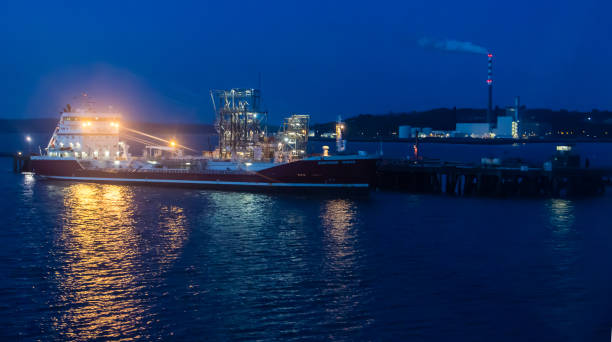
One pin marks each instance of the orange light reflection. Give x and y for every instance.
(100, 282)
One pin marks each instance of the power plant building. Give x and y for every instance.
(505, 125)
(474, 130)
(405, 132)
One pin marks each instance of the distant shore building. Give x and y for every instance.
(506, 127)
(328, 135)
(473, 130)
(405, 132)
(534, 129)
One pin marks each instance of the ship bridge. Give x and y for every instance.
(87, 135)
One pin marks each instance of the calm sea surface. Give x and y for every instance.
(83, 261)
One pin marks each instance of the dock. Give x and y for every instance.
(485, 180)
(458, 179)
(21, 162)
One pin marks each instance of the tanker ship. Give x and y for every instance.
(92, 146)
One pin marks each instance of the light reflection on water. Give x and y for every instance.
(338, 218)
(102, 261)
(561, 214)
(344, 265)
(565, 275)
(106, 262)
(563, 236)
(237, 210)
(283, 264)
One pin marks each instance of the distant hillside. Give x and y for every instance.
(172, 128)
(47, 125)
(594, 123)
(383, 125)
(42, 125)
(598, 123)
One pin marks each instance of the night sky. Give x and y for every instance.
(158, 61)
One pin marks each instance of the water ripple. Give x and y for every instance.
(108, 262)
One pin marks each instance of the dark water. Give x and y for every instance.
(83, 261)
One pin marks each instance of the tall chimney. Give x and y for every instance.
(490, 118)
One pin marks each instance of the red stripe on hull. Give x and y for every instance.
(304, 172)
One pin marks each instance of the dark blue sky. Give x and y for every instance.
(158, 61)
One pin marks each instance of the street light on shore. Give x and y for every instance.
(29, 140)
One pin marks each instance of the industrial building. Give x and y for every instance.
(473, 130)
(407, 132)
(506, 126)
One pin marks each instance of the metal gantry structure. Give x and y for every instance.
(294, 136)
(240, 122)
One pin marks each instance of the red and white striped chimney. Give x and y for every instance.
(490, 118)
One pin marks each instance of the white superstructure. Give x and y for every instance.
(87, 135)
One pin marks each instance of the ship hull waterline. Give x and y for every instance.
(320, 176)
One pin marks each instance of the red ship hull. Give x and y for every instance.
(317, 174)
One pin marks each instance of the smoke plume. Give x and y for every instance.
(452, 45)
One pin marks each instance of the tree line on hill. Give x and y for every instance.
(47, 125)
(368, 126)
